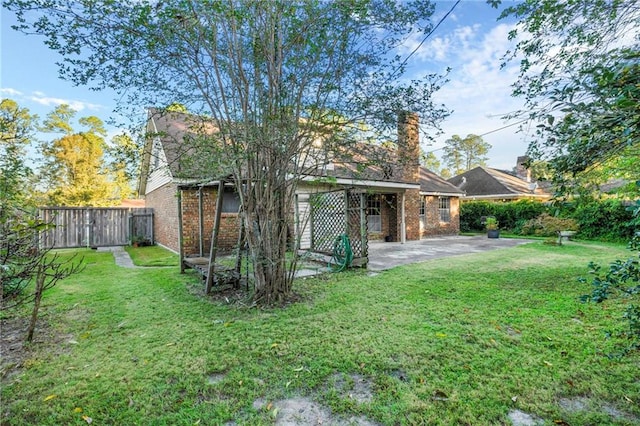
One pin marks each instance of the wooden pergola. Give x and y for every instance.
(205, 264)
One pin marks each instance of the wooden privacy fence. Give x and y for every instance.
(96, 226)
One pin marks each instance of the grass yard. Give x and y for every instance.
(462, 340)
(152, 256)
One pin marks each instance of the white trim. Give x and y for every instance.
(496, 196)
(356, 182)
(442, 194)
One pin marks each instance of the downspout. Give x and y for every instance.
(200, 222)
(403, 224)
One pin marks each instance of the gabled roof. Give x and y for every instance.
(431, 183)
(357, 162)
(488, 183)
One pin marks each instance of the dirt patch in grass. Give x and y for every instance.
(352, 386)
(520, 418)
(303, 411)
(16, 353)
(582, 403)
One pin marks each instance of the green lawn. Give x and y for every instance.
(152, 256)
(462, 340)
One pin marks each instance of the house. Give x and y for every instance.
(401, 200)
(488, 184)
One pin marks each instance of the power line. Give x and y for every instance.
(489, 132)
(423, 40)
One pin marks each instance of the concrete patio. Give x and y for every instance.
(389, 255)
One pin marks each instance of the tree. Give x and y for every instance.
(124, 163)
(579, 76)
(464, 154)
(273, 76)
(22, 260)
(74, 171)
(17, 126)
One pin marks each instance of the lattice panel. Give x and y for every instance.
(335, 213)
(328, 220)
(357, 223)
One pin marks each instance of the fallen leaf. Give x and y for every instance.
(274, 345)
(50, 397)
(77, 410)
(269, 405)
(441, 335)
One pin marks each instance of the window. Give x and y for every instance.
(374, 220)
(230, 201)
(423, 208)
(445, 209)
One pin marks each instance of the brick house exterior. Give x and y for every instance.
(405, 200)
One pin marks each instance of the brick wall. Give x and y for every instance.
(229, 222)
(412, 214)
(164, 202)
(433, 226)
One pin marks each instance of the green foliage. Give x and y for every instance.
(272, 75)
(606, 220)
(546, 225)
(621, 280)
(461, 154)
(75, 172)
(491, 223)
(511, 215)
(16, 133)
(579, 75)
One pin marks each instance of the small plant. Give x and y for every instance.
(139, 241)
(546, 225)
(491, 223)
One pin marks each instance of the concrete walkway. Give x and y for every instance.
(122, 257)
(389, 255)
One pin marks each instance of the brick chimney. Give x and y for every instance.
(409, 163)
(409, 146)
(521, 168)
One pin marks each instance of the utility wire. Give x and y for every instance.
(404, 62)
(489, 132)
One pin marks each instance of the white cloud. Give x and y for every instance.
(479, 91)
(7, 91)
(42, 99)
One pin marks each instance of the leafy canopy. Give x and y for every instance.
(579, 75)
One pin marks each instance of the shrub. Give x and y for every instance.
(511, 215)
(608, 220)
(546, 225)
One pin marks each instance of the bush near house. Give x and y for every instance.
(605, 220)
(511, 215)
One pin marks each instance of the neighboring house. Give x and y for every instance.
(485, 183)
(404, 201)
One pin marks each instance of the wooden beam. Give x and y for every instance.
(180, 231)
(214, 237)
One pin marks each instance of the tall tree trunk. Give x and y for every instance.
(37, 297)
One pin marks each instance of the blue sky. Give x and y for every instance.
(470, 41)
